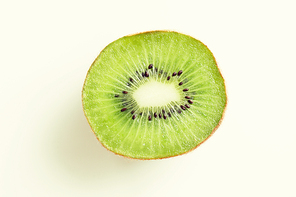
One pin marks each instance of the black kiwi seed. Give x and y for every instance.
(159, 115)
(132, 112)
(131, 80)
(143, 74)
(149, 117)
(181, 83)
(164, 116)
(124, 92)
(150, 66)
(146, 74)
(187, 97)
(168, 77)
(187, 105)
(179, 111)
(156, 69)
(185, 90)
(180, 72)
(134, 116)
(163, 111)
(116, 95)
(169, 114)
(174, 74)
(182, 107)
(140, 113)
(123, 109)
(190, 101)
(155, 114)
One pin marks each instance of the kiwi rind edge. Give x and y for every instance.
(214, 130)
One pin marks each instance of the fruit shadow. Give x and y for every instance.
(78, 153)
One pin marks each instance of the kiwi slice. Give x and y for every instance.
(154, 95)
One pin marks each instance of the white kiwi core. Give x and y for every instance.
(156, 94)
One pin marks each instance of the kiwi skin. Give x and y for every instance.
(222, 117)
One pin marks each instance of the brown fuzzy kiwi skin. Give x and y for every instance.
(214, 130)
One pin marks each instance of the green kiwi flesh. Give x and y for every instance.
(180, 69)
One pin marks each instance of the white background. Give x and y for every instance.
(47, 147)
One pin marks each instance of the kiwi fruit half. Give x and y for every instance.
(154, 95)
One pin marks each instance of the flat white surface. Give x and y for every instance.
(48, 149)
